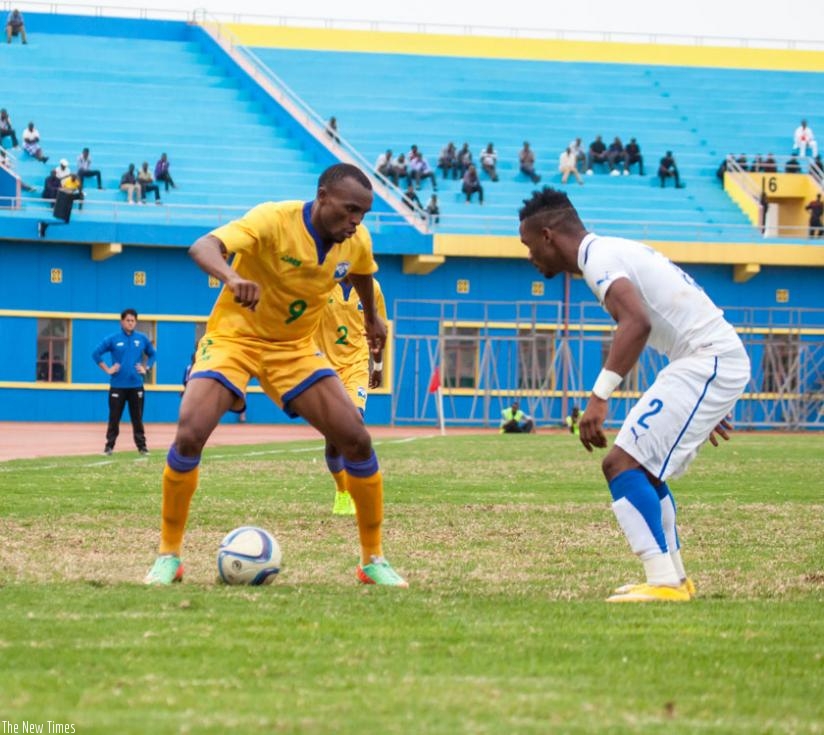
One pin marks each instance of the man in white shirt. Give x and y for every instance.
(654, 303)
(568, 164)
(63, 171)
(805, 138)
(384, 168)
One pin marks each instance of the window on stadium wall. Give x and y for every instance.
(779, 366)
(150, 330)
(51, 364)
(460, 357)
(630, 381)
(536, 360)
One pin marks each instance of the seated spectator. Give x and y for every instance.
(84, 169)
(768, 164)
(577, 148)
(15, 26)
(568, 164)
(757, 163)
(332, 129)
(146, 181)
(410, 198)
(433, 210)
(6, 129)
(515, 421)
(668, 169)
(742, 161)
(161, 172)
(617, 157)
(724, 167)
(384, 168)
(471, 184)
(129, 184)
(31, 143)
(489, 162)
(63, 171)
(804, 138)
(597, 154)
(72, 186)
(792, 166)
(633, 156)
(419, 169)
(448, 160)
(464, 159)
(526, 159)
(50, 187)
(400, 168)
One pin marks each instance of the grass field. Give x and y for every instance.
(509, 545)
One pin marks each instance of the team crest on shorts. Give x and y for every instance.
(361, 392)
(342, 269)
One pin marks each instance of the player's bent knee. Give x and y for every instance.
(616, 462)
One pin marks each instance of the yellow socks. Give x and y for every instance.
(367, 493)
(178, 489)
(340, 481)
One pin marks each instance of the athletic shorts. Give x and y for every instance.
(355, 379)
(676, 415)
(284, 369)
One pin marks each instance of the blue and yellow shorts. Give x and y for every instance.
(284, 369)
(355, 379)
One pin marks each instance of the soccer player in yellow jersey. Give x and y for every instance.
(342, 339)
(288, 257)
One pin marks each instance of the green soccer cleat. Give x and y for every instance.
(652, 593)
(380, 572)
(687, 584)
(167, 569)
(343, 504)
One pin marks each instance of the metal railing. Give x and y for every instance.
(390, 26)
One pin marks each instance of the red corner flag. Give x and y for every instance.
(435, 380)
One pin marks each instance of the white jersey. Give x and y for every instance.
(684, 320)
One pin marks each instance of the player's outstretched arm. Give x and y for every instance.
(210, 254)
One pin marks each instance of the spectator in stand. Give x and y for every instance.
(471, 184)
(723, 168)
(792, 166)
(129, 184)
(568, 164)
(72, 186)
(489, 162)
(805, 138)
(8, 164)
(597, 154)
(742, 161)
(31, 143)
(419, 168)
(668, 169)
(464, 159)
(617, 157)
(577, 148)
(433, 210)
(400, 168)
(768, 164)
(410, 198)
(51, 187)
(161, 172)
(448, 161)
(384, 168)
(7, 129)
(15, 26)
(526, 159)
(633, 156)
(85, 171)
(816, 210)
(332, 129)
(147, 184)
(63, 171)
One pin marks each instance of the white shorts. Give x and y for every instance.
(676, 415)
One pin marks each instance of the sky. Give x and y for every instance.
(747, 19)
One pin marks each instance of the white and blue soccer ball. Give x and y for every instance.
(248, 555)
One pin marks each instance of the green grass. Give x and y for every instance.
(510, 547)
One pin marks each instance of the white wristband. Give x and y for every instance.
(377, 366)
(605, 384)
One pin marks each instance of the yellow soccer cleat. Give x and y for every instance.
(687, 584)
(343, 504)
(652, 593)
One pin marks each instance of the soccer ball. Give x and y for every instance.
(248, 555)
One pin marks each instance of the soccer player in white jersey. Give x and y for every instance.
(654, 303)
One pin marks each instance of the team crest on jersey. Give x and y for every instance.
(342, 269)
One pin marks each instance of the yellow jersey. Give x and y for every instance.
(275, 245)
(341, 336)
